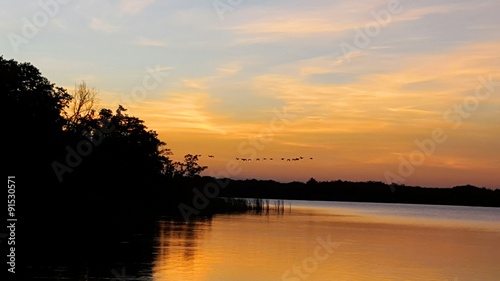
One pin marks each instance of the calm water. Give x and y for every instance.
(335, 241)
(325, 241)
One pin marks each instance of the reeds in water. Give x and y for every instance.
(265, 205)
(255, 205)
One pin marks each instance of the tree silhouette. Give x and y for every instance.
(117, 158)
(128, 154)
(82, 107)
(189, 168)
(33, 111)
(312, 181)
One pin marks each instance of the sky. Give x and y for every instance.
(394, 91)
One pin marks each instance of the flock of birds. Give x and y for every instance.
(271, 159)
(267, 159)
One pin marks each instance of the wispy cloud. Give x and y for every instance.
(99, 25)
(418, 13)
(134, 6)
(150, 42)
(363, 105)
(381, 101)
(318, 23)
(277, 29)
(183, 112)
(230, 68)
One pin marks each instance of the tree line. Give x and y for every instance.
(69, 155)
(72, 158)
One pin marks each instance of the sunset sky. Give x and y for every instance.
(356, 85)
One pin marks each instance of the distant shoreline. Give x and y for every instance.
(373, 192)
(369, 202)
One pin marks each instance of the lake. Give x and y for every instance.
(322, 241)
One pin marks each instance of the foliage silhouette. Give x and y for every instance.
(190, 168)
(82, 107)
(370, 191)
(110, 163)
(115, 175)
(34, 121)
(106, 164)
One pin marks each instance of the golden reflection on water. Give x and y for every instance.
(283, 247)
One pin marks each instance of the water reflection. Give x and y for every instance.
(313, 241)
(192, 251)
(88, 251)
(358, 247)
(178, 240)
